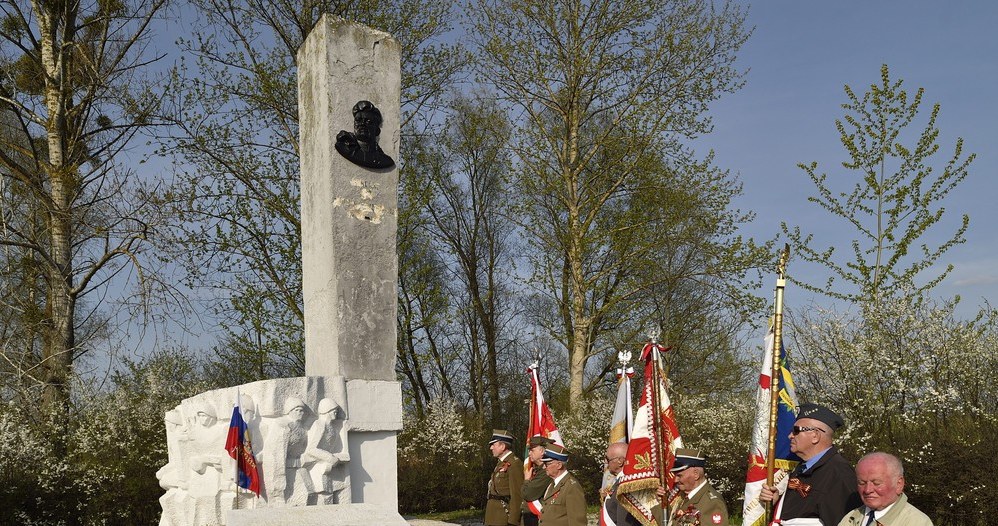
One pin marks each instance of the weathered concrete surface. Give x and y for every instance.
(348, 213)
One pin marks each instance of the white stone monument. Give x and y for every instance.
(325, 443)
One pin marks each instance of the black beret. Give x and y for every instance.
(821, 414)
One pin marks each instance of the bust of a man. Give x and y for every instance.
(361, 146)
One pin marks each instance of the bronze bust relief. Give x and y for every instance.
(361, 146)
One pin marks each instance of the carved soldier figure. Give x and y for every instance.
(289, 483)
(327, 450)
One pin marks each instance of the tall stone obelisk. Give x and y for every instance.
(349, 212)
(323, 446)
(349, 215)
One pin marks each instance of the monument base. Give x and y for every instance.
(333, 515)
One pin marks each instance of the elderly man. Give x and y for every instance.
(611, 512)
(822, 489)
(564, 499)
(505, 484)
(881, 486)
(700, 502)
(535, 483)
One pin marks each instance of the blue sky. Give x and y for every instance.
(800, 57)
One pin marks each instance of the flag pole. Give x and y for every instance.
(657, 420)
(774, 376)
(235, 478)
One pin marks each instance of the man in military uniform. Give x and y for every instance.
(505, 484)
(564, 500)
(822, 488)
(699, 502)
(536, 483)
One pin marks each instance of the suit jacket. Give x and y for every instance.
(833, 491)
(901, 514)
(504, 492)
(564, 504)
(709, 502)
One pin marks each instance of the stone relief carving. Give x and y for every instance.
(288, 481)
(327, 439)
(361, 146)
(302, 454)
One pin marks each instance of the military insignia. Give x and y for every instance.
(690, 516)
(716, 518)
(504, 468)
(802, 487)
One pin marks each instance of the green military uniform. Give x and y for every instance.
(533, 490)
(505, 485)
(706, 504)
(564, 504)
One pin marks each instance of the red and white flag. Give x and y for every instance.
(541, 420)
(652, 449)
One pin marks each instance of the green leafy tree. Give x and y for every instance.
(614, 202)
(894, 202)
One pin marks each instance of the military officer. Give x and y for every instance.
(505, 484)
(564, 500)
(699, 502)
(536, 483)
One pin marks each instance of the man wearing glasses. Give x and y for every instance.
(611, 512)
(822, 489)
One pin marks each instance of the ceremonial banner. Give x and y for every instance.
(651, 451)
(623, 419)
(238, 445)
(541, 421)
(753, 511)
(620, 430)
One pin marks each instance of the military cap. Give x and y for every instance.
(821, 414)
(501, 435)
(538, 440)
(554, 451)
(688, 458)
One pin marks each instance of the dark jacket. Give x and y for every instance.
(832, 491)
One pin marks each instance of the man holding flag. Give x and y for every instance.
(541, 432)
(536, 482)
(822, 489)
(651, 451)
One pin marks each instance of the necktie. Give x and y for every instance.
(871, 519)
(547, 492)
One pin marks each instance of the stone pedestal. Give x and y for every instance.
(345, 515)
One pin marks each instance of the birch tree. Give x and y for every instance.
(72, 100)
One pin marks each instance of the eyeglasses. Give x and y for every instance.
(611, 459)
(798, 430)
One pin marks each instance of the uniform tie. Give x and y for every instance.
(872, 519)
